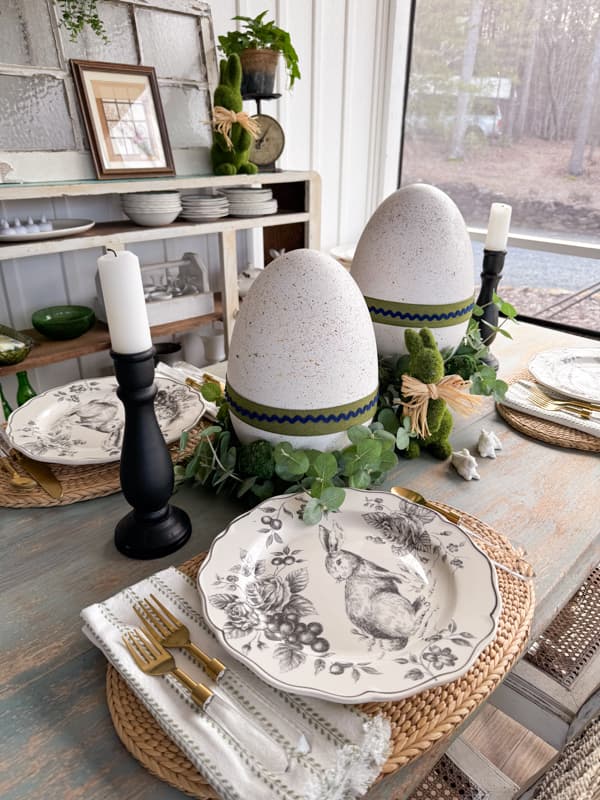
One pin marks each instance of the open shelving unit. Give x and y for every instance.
(297, 224)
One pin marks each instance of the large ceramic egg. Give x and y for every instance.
(414, 265)
(303, 357)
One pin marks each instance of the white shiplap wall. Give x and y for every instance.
(343, 119)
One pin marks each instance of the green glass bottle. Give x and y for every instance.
(5, 407)
(25, 390)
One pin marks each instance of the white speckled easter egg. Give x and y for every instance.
(414, 265)
(303, 357)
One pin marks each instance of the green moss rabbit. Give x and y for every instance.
(231, 159)
(426, 364)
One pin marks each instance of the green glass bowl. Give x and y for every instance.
(13, 356)
(63, 322)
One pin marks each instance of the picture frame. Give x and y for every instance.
(124, 119)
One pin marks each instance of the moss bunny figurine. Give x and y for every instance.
(426, 364)
(229, 152)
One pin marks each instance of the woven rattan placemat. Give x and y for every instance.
(80, 483)
(544, 431)
(417, 722)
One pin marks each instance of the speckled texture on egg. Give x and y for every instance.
(416, 251)
(303, 339)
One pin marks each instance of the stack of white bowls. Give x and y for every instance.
(204, 206)
(152, 208)
(249, 202)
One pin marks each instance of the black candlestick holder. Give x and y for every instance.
(491, 272)
(154, 528)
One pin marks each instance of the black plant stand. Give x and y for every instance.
(154, 528)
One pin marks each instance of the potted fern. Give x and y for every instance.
(259, 45)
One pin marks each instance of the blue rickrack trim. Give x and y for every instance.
(303, 420)
(384, 312)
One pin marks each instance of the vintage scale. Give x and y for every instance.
(265, 150)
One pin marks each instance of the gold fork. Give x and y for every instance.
(154, 660)
(553, 405)
(584, 405)
(161, 625)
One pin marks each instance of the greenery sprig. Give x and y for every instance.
(76, 14)
(256, 34)
(260, 469)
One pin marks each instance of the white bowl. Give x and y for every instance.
(153, 218)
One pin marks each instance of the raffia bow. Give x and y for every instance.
(224, 119)
(451, 388)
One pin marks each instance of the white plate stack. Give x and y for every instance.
(201, 207)
(249, 202)
(152, 208)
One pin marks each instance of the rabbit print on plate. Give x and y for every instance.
(381, 600)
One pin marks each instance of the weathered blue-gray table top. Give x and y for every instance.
(56, 737)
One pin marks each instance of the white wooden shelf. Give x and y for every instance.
(125, 232)
(297, 225)
(36, 191)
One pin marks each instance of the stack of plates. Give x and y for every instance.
(152, 208)
(248, 202)
(200, 207)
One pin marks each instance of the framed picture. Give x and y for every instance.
(124, 119)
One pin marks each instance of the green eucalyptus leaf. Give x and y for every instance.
(212, 429)
(387, 439)
(290, 463)
(402, 438)
(332, 497)
(263, 489)
(500, 389)
(389, 420)
(312, 512)
(357, 433)
(246, 485)
(324, 466)
(211, 391)
(360, 480)
(183, 440)
(388, 460)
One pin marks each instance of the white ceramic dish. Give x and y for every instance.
(82, 422)
(152, 218)
(383, 600)
(60, 227)
(572, 371)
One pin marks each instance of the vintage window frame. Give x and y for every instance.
(97, 137)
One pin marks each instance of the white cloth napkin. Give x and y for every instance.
(182, 370)
(348, 748)
(517, 397)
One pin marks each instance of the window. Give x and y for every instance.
(504, 105)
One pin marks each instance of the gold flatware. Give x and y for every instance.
(41, 473)
(158, 622)
(566, 408)
(16, 480)
(535, 391)
(451, 516)
(154, 660)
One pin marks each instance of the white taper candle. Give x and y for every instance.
(123, 293)
(498, 226)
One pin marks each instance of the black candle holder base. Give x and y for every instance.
(152, 535)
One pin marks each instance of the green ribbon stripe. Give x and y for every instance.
(301, 422)
(411, 315)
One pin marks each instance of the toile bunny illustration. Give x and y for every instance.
(374, 603)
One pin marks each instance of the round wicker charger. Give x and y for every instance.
(80, 482)
(542, 429)
(417, 722)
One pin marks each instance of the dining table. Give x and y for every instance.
(57, 740)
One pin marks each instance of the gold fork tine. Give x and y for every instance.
(145, 646)
(173, 620)
(156, 614)
(153, 618)
(138, 656)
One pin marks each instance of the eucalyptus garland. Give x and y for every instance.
(260, 470)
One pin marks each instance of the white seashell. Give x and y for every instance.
(488, 443)
(464, 463)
